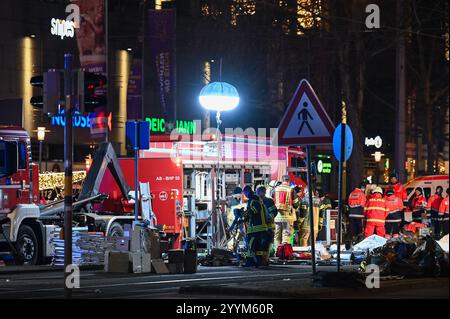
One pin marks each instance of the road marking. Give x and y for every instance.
(159, 282)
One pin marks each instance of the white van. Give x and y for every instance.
(428, 185)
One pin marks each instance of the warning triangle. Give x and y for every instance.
(305, 121)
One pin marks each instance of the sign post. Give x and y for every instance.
(342, 146)
(138, 138)
(68, 160)
(306, 122)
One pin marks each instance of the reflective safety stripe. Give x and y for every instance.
(376, 208)
(393, 221)
(356, 216)
(355, 206)
(376, 220)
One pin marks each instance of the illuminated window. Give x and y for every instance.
(308, 14)
(446, 49)
(242, 8)
(205, 9)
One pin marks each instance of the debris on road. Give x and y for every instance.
(444, 243)
(370, 243)
(218, 257)
(410, 256)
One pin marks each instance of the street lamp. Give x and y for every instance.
(219, 97)
(41, 137)
(377, 155)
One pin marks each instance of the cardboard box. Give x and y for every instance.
(176, 268)
(151, 243)
(141, 262)
(117, 261)
(176, 256)
(159, 266)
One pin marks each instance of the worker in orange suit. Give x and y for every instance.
(399, 190)
(418, 205)
(394, 217)
(375, 212)
(443, 214)
(357, 201)
(433, 210)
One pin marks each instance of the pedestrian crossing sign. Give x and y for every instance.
(305, 121)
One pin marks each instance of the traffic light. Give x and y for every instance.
(88, 99)
(51, 97)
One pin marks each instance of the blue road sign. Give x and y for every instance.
(337, 142)
(143, 138)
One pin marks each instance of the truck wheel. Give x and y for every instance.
(116, 230)
(27, 246)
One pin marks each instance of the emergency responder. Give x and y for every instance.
(375, 212)
(255, 227)
(433, 210)
(443, 214)
(394, 217)
(304, 220)
(418, 205)
(272, 211)
(399, 189)
(297, 206)
(357, 201)
(283, 197)
(235, 221)
(325, 204)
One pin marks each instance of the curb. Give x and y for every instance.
(317, 293)
(30, 269)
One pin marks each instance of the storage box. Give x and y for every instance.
(176, 256)
(117, 261)
(136, 238)
(141, 262)
(163, 246)
(190, 261)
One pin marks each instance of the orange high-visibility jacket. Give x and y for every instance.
(418, 203)
(443, 209)
(434, 202)
(376, 210)
(399, 191)
(357, 198)
(393, 204)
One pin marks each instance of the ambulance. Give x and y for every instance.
(428, 184)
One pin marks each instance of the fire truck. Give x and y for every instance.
(180, 173)
(26, 224)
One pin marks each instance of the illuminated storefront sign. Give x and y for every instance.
(324, 167)
(158, 125)
(82, 121)
(66, 28)
(377, 142)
